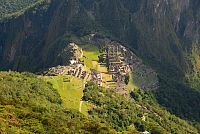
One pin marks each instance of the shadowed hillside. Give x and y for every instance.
(158, 31)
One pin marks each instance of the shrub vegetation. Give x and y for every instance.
(30, 105)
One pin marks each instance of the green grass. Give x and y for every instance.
(28, 105)
(131, 85)
(70, 92)
(86, 106)
(91, 59)
(91, 54)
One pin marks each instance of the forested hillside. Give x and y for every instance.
(141, 112)
(30, 105)
(10, 8)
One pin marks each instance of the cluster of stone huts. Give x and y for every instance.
(115, 61)
(76, 70)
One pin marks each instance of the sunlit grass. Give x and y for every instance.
(131, 85)
(91, 54)
(70, 92)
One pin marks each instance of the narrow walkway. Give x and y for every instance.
(81, 101)
(80, 107)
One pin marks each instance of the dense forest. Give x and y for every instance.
(10, 8)
(140, 112)
(31, 105)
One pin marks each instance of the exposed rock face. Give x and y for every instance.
(22, 39)
(160, 31)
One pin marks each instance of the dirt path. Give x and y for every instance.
(80, 107)
(81, 101)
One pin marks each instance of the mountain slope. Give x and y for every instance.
(10, 8)
(30, 105)
(159, 31)
(164, 34)
(141, 111)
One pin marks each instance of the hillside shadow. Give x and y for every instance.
(179, 99)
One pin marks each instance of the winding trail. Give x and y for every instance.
(80, 107)
(81, 101)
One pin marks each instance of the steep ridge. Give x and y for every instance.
(151, 28)
(159, 31)
(37, 30)
(21, 38)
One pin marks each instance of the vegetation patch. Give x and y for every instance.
(131, 85)
(12, 8)
(28, 104)
(139, 113)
